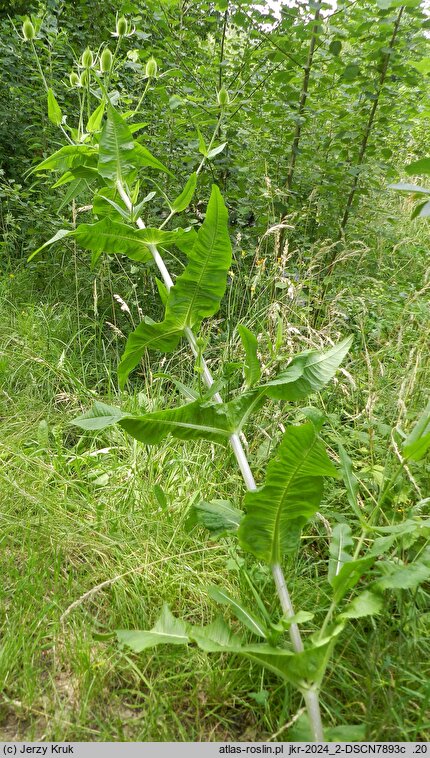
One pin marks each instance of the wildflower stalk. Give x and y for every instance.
(310, 695)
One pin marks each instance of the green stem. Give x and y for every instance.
(311, 694)
(141, 99)
(114, 57)
(39, 66)
(217, 127)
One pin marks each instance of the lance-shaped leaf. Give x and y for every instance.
(76, 188)
(248, 619)
(417, 442)
(99, 417)
(296, 381)
(95, 120)
(301, 669)
(66, 157)
(187, 422)
(142, 157)
(184, 199)
(349, 479)
(57, 236)
(196, 294)
(168, 630)
(107, 202)
(80, 172)
(340, 542)
(54, 110)
(252, 367)
(291, 495)
(348, 576)
(308, 372)
(405, 187)
(119, 154)
(116, 147)
(422, 166)
(164, 336)
(107, 236)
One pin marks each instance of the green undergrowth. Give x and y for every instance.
(94, 528)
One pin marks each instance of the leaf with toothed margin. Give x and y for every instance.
(196, 293)
(277, 512)
(115, 147)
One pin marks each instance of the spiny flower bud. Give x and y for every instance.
(106, 61)
(74, 79)
(223, 97)
(121, 26)
(28, 31)
(84, 78)
(151, 68)
(87, 58)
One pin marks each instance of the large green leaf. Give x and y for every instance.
(308, 372)
(80, 172)
(66, 157)
(422, 166)
(99, 417)
(188, 422)
(296, 381)
(304, 669)
(142, 157)
(291, 495)
(116, 147)
(107, 236)
(119, 154)
(196, 294)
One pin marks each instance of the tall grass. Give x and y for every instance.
(94, 530)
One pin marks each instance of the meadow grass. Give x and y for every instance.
(94, 534)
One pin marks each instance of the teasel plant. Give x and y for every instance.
(106, 159)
